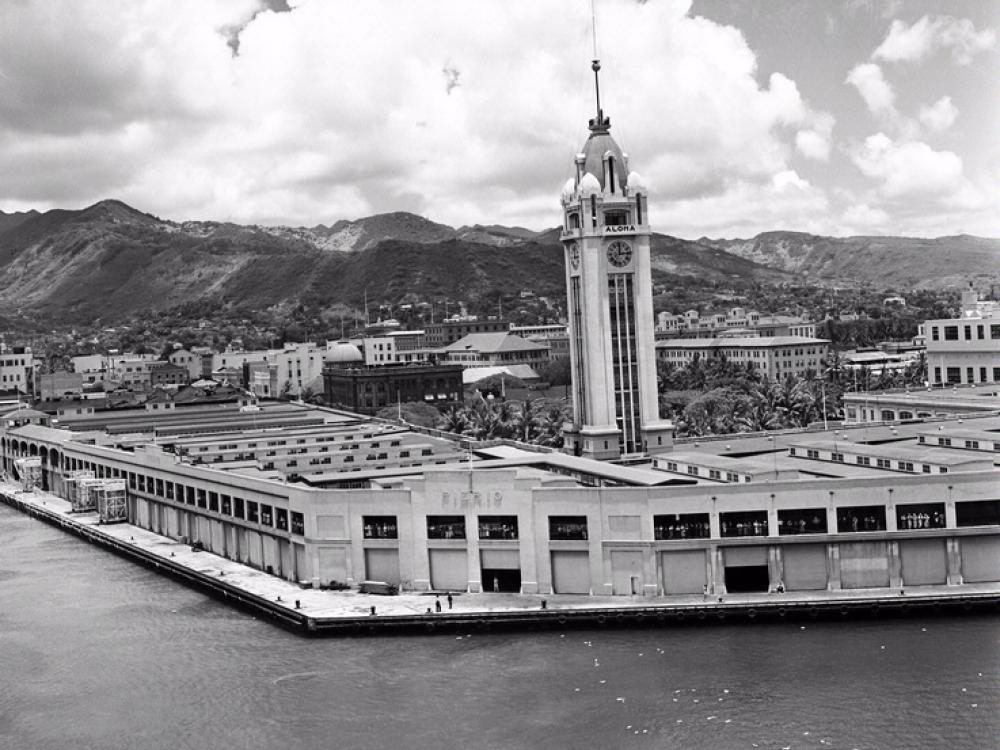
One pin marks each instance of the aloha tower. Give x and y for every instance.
(606, 239)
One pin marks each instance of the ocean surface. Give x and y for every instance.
(96, 652)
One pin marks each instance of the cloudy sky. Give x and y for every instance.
(852, 117)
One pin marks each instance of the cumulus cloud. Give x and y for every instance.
(939, 116)
(909, 169)
(879, 96)
(861, 218)
(814, 142)
(334, 110)
(912, 43)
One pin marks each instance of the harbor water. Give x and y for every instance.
(97, 652)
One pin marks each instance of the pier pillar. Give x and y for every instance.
(953, 553)
(895, 565)
(650, 573)
(717, 572)
(833, 567)
(775, 567)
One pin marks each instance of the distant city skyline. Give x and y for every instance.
(856, 117)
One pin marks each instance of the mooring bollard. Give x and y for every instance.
(373, 611)
(545, 604)
(298, 604)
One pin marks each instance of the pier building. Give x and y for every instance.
(870, 507)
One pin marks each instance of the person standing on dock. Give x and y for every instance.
(450, 600)
(437, 604)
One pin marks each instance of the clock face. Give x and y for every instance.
(619, 254)
(574, 255)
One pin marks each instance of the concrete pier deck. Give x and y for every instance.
(320, 612)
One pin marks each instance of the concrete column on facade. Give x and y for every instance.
(528, 556)
(890, 513)
(831, 516)
(772, 520)
(650, 572)
(312, 563)
(775, 566)
(953, 552)
(475, 583)
(833, 567)
(600, 567)
(950, 519)
(895, 565)
(718, 571)
(421, 579)
(714, 528)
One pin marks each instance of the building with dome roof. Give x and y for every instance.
(608, 287)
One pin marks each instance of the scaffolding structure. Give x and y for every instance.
(72, 489)
(86, 497)
(29, 471)
(112, 505)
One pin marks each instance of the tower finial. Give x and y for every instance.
(600, 123)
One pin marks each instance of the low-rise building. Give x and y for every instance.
(775, 356)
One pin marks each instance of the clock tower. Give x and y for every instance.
(608, 289)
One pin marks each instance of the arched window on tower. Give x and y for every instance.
(611, 173)
(593, 210)
(638, 208)
(574, 220)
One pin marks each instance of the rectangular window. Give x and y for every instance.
(861, 518)
(951, 333)
(189, 495)
(446, 527)
(937, 374)
(159, 488)
(498, 527)
(681, 526)
(802, 521)
(266, 517)
(169, 487)
(568, 527)
(202, 499)
(253, 513)
(978, 513)
(213, 501)
(298, 524)
(743, 523)
(934, 333)
(994, 331)
(969, 377)
(238, 507)
(281, 519)
(227, 505)
(838, 457)
(378, 527)
(954, 375)
(920, 516)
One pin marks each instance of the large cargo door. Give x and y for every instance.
(500, 569)
(382, 565)
(924, 562)
(805, 567)
(449, 569)
(864, 565)
(746, 569)
(570, 572)
(684, 572)
(980, 559)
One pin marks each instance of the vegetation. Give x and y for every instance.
(536, 421)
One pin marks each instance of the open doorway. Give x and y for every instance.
(499, 579)
(742, 579)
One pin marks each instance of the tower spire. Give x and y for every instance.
(599, 124)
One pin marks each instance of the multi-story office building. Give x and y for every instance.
(964, 350)
(775, 356)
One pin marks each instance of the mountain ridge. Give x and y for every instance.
(110, 260)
